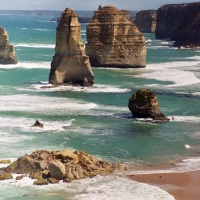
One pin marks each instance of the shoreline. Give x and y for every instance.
(181, 185)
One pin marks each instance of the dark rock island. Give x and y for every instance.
(144, 104)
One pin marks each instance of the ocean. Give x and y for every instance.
(97, 119)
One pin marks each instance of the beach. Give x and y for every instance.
(183, 186)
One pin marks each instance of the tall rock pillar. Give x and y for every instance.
(69, 65)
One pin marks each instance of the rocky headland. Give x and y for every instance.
(53, 166)
(7, 51)
(144, 104)
(146, 21)
(69, 64)
(114, 41)
(189, 26)
(168, 17)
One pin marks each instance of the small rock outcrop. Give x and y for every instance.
(38, 124)
(189, 26)
(144, 104)
(7, 52)
(168, 17)
(60, 165)
(69, 65)
(146, 21)
(114, 41)
(5, 176)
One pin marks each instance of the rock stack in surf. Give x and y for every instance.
(69, 65)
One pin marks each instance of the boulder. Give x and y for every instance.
(7, 52)
(57, 169)
(53, 180)
(38, 124)
(66, 155)
(189, 26)
(114, 41)
(5, 176)
(144, 104)
(146, 21)
(41, 182)
(69, 64)
(5, 161)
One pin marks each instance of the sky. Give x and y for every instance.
(85, 4)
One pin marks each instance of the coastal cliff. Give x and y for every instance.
(189, 26)
(146, 21)
(168, 17)
(7, 52)
(114, 41)
(69, 64)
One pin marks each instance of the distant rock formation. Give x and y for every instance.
(7, 52)
(144, 104)
(69, 65)
(38, 124)
(168, 17)
(146, 21)
(60, 165)
(114, 41)
(189, 26)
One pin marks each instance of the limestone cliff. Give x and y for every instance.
(114, 41)
(168, 17)
(69, 65)
(146, 21)
(7, 52)
(189, 26)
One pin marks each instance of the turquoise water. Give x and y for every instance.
(96, 119)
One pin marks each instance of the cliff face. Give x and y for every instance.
(69, 65)
(114, 41)
(7, 52)
(146, 21)
(168, 17)
(189, 26)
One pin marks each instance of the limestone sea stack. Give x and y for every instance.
(168, 17)
(144, 104)
(189, 26)
(7, 51)
(146, 21)
(69, 64)
(114, 41)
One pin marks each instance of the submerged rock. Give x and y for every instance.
(146, 21)
(7, 52)
(114, 41)
(144, 104)
(38, 124)
(69, 64)
(61, 165)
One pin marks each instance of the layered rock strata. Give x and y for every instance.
(189, 26)
(146, 21)
(114, 41)
(144, 104)
(168, 17)
(69, 64)
(7, 52)
(60, 165)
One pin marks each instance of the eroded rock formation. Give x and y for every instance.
(69, 65)
(60, 165)
(168, 17)
(146, 21)
(189, 26)
(7, 52)
(144, 104)
(114, 41)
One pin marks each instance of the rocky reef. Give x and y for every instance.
(146, 21)
(144, 104)
(46, 166)
(168, 17)
(7, 52)
(69, 64)
(114, 41)
(189, 26)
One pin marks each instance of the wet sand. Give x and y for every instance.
(183, 186)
